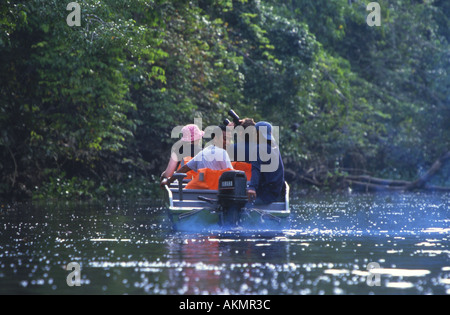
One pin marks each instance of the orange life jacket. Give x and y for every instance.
(206, 179)
(191, 173)
(243, 166)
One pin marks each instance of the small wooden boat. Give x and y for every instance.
(223, 209)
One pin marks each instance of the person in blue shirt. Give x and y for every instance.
(267, 182)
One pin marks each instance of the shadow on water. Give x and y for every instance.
(131, 248)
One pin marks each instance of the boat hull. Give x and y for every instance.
(188, 213)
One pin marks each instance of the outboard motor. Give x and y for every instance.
(232, 197)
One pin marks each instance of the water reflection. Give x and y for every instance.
(223, 263)
(130, 248)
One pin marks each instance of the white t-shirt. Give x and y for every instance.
(210, 157)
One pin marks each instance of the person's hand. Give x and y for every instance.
(232, 124)
(251, 194)
(164, 182)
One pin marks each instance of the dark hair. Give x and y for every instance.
(247, 122)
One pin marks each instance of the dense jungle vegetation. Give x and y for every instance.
(86, 112)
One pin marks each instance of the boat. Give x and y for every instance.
(224, 209)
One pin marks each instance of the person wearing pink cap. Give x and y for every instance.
(213, 157)
(192, 135)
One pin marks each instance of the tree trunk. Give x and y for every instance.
(369, 184)
(420, 183)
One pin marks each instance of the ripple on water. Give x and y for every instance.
(332, 239)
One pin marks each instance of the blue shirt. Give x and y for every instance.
(267, 176)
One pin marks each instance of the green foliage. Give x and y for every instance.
(60, 187)
(93, 106)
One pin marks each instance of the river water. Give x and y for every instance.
(332, 245)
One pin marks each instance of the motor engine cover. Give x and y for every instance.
(232, 196)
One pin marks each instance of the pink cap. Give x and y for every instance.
(191, 133)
